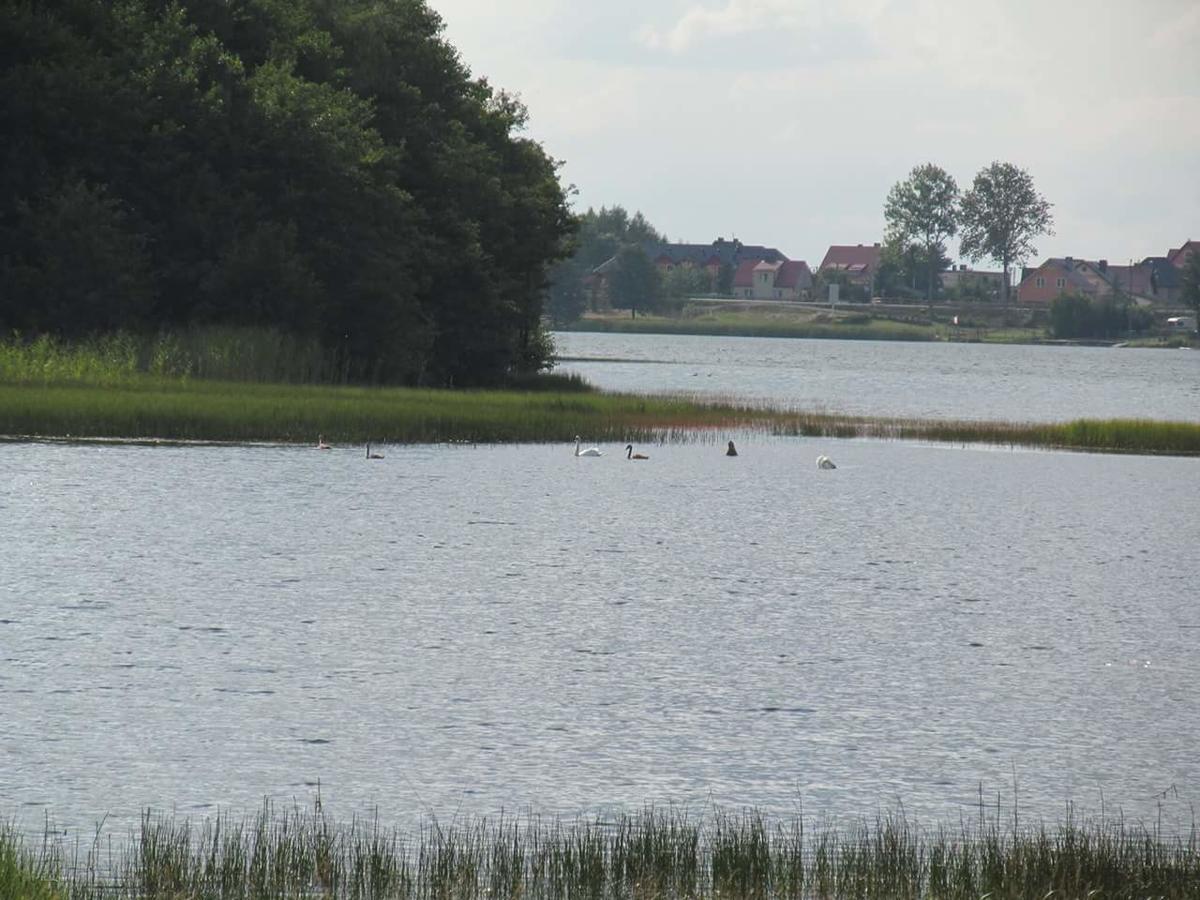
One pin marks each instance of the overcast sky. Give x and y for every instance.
(785, 122)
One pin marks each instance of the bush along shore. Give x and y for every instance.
(253, 385)
(646, 855)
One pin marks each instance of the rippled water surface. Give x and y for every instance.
(463, 629)
(897, 378)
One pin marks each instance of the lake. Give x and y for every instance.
(987, 382)
(458, 630)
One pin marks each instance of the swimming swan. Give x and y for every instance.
(824, 462)
(732, 451)
(629, 454)
(590, 451)
(321, 445)
(371, 455)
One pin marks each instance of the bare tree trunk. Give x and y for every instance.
(929, 286)
(1004, 285)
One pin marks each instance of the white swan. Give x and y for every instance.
(824, 462)
(371, 455)
(590, 451)
(321, 445)
(629, 454)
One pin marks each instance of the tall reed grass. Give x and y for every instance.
(651, 854)
(253, 389)
(203, 352)
(162, 409)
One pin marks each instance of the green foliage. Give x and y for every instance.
(1191, 281)
(25, 875)
(848, 291)
(600, 235)
(728, 322)
(905, 270)
(1001, 214)
(725, 279)
(647, 854)
(634, 282)
(682, 282)
(1111, 316)
(328, 169)
(922, 210)
(212, 352)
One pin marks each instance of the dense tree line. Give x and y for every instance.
(328, 167)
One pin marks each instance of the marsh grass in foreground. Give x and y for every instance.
(148, 407)
(651, 854)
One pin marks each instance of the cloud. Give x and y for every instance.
(778, 22)
(786, 121)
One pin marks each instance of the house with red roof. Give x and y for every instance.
(860, 262)
(1156, 279)
(713, 258)
(1065, 275)
(1178, 257)
(710, 257)
(764, 280)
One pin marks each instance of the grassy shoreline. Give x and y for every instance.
(864, 323)
(733, 324)
(654, 853)
(150, 408)
(121, 387)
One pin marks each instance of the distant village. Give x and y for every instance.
(754, 272)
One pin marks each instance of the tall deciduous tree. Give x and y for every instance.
(634, 283)
(1001, 215)
(923, 210)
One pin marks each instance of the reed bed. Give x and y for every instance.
(255, 388)
(646, 855)
(151, 408)
(205, 352)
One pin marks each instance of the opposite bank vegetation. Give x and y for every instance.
(646, 855)
(227, 387)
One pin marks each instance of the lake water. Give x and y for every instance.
(460, 630)
(891, 378)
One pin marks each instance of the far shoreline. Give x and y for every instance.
(852, 322)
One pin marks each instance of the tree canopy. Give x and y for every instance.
(1001, 214)
(922, 210)
(327, 167)
(601, 234)
(634, 282)
(1191, 281)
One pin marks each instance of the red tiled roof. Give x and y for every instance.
(844, 256)
(744, 276)
(1178, 257)
(794, 274)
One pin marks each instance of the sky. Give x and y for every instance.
(786, 122)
